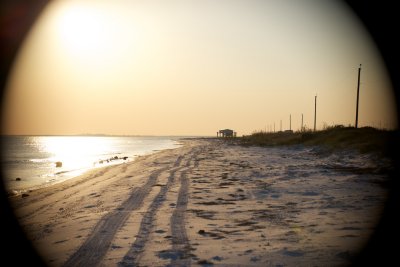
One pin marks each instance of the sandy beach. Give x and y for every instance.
(210, 203)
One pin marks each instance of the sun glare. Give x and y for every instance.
(81, 29)
(72, 151)
(92, 43)
(88, 30)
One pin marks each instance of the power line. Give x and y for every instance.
(315, 113)
(358, 95)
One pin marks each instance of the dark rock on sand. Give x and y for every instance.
(205, 263)
(217, 258)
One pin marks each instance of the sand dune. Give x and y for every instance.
(210, 203)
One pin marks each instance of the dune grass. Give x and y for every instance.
(365, 140)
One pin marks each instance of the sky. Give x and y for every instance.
(194, 67)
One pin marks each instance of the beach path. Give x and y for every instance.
(208, 203)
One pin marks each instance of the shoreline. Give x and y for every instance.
(85, 173)
(206, 202)
(68, 174)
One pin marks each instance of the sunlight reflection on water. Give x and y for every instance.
(35, 161)
(74, 152)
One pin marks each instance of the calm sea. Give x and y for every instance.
(29, 162)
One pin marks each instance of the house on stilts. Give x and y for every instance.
(226, 133)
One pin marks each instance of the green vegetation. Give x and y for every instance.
(365, 140)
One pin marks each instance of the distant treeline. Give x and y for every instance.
(365, 139)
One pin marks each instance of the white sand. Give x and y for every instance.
(209, 203)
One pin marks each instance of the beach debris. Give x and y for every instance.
(58, 164)
(217, 258)
(201, 232)
(112, 159)
(17, 179)
(205, 263)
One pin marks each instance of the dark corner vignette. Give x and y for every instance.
(16, 19)
(380, 19)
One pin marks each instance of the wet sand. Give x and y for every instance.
(210, 203)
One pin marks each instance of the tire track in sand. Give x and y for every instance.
(92, 251)
(180, 242)
(132, 257)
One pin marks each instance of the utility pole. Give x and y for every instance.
(358, 94)
(301, 129)
(290, 122)
(315, 113)
(281, 125)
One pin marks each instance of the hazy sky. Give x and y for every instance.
(194, 67)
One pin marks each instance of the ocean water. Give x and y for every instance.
(29, 162)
